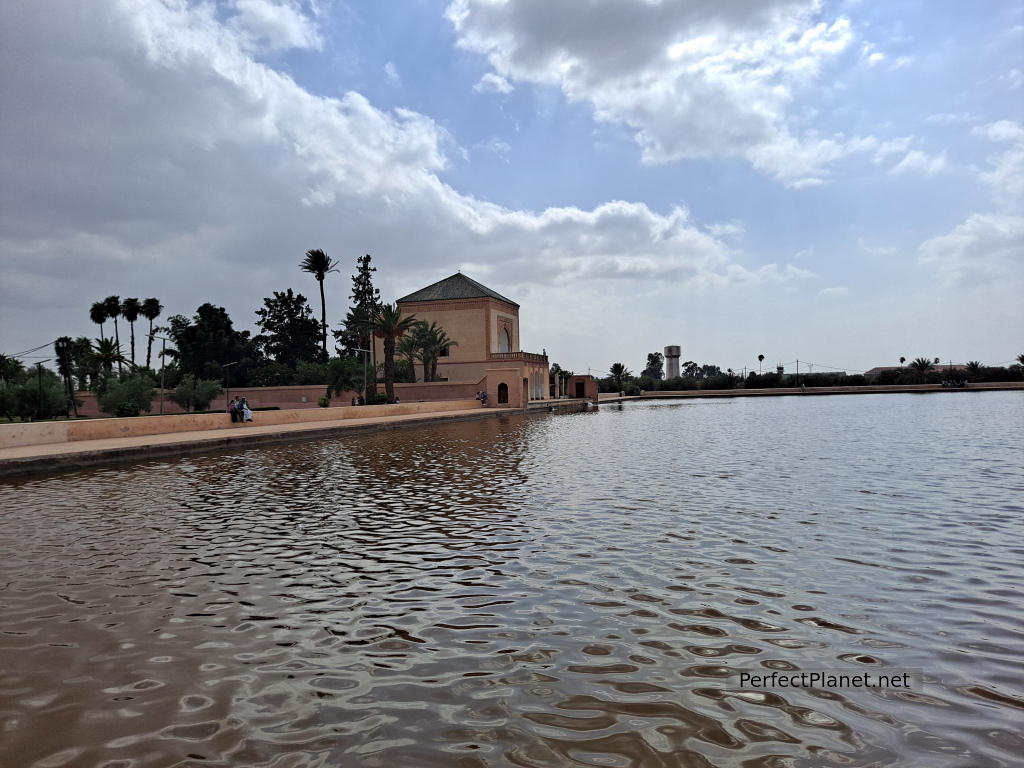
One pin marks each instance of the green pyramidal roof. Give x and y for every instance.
(458, 286)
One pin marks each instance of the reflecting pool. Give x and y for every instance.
(556, 590)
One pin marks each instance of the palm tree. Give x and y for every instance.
(85, 370)
(387, 324)
(903, 360)
(921, 366)
(98, 314)
(431, 340)
(113, 307)
(974, 369)
(319, 264)
(409, 348)
(618, 371)
(63, 348)
(760, 359)
(106, 353)
(130, 310)
(1020, 359)
(151, 309)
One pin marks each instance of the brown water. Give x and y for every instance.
(562, 590)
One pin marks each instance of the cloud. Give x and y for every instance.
(492, 83)
(917, 161)
(391, 73)
(833, 292)
(228, 171)
(1006, 177)
(705, 79)
(274, 26)
(984, 249)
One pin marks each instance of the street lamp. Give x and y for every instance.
(227, 376)
(163, 362)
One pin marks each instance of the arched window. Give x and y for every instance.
(503, 393)
(504, 345)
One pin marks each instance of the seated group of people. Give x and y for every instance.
(239, 409)
(482, 397)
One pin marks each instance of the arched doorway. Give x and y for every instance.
(503, 393)
(504, 344)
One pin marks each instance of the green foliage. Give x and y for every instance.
(207, 342)
(324, 402)
(380, 398)
(194, 394)
(655, 366)
(290, 332)
(344, 374)
(11, 369)
(619, 372)
(311, 373)
(39, 394)
(128, 396)
(366, 300)
(271, 375)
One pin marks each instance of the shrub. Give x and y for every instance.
(271, 375)
(194, 394)
(310, 373)
(380, 398)
(324, 402)
(127, 397)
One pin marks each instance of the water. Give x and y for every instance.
(562, 590)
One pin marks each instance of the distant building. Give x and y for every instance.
(671, 362)
(486, 326)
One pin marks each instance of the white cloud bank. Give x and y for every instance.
(169, 153)
(704, 79)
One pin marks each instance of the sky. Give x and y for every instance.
(840, 183)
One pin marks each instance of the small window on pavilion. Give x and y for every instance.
(503, 341)
(444, 351)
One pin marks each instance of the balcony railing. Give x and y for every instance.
(526, 357)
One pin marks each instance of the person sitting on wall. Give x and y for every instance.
(483, 397)
(477, 395)
(233, 410)
(245, 413)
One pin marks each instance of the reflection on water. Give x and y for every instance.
(562, 590)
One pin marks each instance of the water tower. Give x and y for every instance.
(671, 362)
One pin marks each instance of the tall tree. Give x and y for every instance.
(130, 310)
(365, 302)
(290, 332)
(85, 369)
(319, 264)
(388, 325)
(63, 349)
(619, 372)
(113, 307)
(151, 309)
(760, 359)
(208, 342)
(655, 365)
(98, 314)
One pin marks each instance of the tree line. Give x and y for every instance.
(199, 355)
(692, 376)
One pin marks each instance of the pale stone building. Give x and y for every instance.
(486, 326)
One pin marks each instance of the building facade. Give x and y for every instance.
(485, 326)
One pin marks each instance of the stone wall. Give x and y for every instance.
(40, 433)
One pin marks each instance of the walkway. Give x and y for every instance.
(55, 457)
